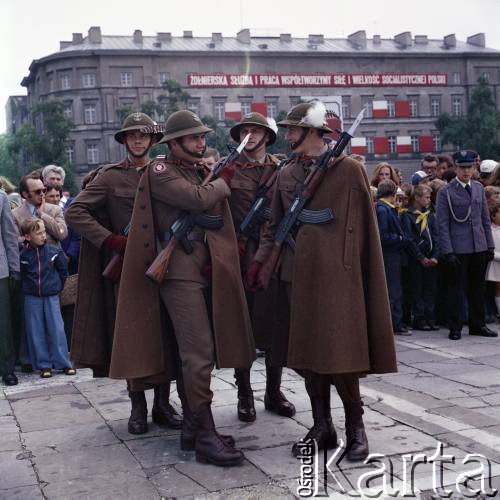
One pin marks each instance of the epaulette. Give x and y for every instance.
(109, 166)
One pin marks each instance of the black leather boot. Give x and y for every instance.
(246, 408)
(189, 424)
(323, 431)
(274, 400)
(138, 421)
(163, 412)
(210, 447)
(355, 434)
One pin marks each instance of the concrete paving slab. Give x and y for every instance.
(15, 471)
(119, 428)
(158, 451)
(170, 483)
(22, 493)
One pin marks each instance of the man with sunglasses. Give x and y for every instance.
(33, 192)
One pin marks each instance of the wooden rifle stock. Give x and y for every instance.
(158, 270)
(113, 270)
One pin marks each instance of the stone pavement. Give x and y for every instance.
(66, 438)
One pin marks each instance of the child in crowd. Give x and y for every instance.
(420, 229)
(493, 270)
(492, 195)
(43, 273)
(393, 242)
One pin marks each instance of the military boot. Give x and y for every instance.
(322, 431)
(138, 421)
(210, 447)
(274, 400)
(163, 412)
(356, 441)
(246, 408)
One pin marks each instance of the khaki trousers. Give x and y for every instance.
(186, 306)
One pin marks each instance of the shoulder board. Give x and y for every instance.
(103, 168)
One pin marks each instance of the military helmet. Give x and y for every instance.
(298, 117)
(254, 118)
(140, 122)
(182, 123)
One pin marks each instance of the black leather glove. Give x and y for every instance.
(453, 260)
(14, 282)
(490, 254)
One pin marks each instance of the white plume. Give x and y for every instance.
(316, 115)
(272, 124)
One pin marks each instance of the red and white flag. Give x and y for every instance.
(232, 111)
(358, 145)
(403, 144)
(380, 109)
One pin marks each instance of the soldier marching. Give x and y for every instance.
(196, 289)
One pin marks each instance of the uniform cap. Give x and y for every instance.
(255, 118)
(182, 123)
(137, 121)
(464, 158)
(308, 115)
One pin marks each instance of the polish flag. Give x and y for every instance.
(381, 145)
(259, 107)
(426, 144)
(402, 109)
(403, 144)
(233, 111)
(380, 109)
(358, 145)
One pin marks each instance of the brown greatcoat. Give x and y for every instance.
(102, 208)
(249, 177)
(165, 189)
(340, 319)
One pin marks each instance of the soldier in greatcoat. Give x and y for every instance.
(100, 214)
(255, 173)
(334, 315)
(202, 293)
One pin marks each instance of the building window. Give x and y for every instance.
(272, 107)
(435, 105)
(92, 154)
(391, 108)
(413, 101)
(436, 142)
(89, 114)
(219, 111)
(415, 144)
(393, 141)
(68, 110)
(88, 80)
(246, 106)
(70, 154)
(456, 105)
(346, 107)
(194, 105)
(456, 78)
(126, 79)
(370, 146)
(51, 85)
(486, 75)
(65, 82)
(294, 100)
(163, 77)
(367, 103)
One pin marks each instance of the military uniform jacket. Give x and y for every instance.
(165, 189)
(104, 207)
(340, 319)
(463, 220)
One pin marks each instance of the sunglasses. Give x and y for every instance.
(39, 191)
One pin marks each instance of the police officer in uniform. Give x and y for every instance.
(255, 171)
(467, 245)
(211, 323)
(334, 319)
(100, 214)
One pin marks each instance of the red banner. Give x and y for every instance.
(317, 80)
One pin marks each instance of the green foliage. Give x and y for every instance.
(280, 146)
(219, 138)
(175, 99)
(479, 128)
(7, 162)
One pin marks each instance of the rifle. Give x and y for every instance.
(296, 214)
(113, 270)
(184, 224)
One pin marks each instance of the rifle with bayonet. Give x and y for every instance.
(113, 270)
(296, 213)
(185, 223)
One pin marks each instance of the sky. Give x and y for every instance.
(31, 29)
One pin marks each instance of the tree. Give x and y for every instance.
(175, 99)
(479, 128)
(7, 163)
(220, 138)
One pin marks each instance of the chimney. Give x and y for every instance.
(243, 36)
(187, 34)
(285, 37)
(316, 39)
(138, 36)
(450, 41)
(403, 39)
(95, 34)
(479, 39)
(358, 39)
(163, 36)
(63, 45)
(216, 37)
(421, 39)
(77, 38)
(376, 40)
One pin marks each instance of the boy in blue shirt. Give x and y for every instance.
(43, 272)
